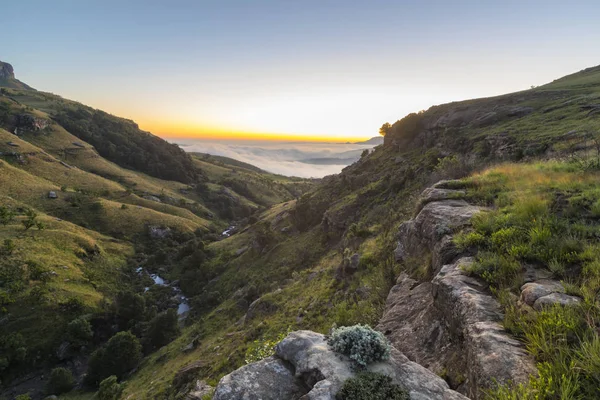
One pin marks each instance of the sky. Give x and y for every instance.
(302, 70)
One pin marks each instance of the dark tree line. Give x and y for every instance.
(122, 142)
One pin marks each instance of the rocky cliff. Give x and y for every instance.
(6, 71)
(7, 78)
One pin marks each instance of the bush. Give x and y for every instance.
(110, 389)
(79, 332)
(61, 381)
(371, 386)
(24, 396)
(163, 328)
(361, 343)
(121, 354)
(496, 269)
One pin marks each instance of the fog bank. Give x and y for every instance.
(303, 159)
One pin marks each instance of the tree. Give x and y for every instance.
(163, 328)
(131, 307)
(61, 381)
(79, 332)
(385, 128)
(364, 153)
(121, 354)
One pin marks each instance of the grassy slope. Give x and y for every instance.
(546, 216)
(97, 194)
(65, 250)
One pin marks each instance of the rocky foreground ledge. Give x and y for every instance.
(451, 323)
(305, 368)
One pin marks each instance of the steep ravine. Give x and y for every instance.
(448, 325)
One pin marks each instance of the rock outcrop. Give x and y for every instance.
(451, 324)
(7, 77)
(546, 293)
(305, 368)
(6, 71)
(28, 122)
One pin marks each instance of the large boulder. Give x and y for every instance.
(326, 371)
(532, 291)
(269, 379)
(305, 368)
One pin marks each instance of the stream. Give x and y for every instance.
(183, 306)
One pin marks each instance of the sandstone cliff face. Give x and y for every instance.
(451, 324)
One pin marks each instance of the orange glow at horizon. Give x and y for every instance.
(191, 131)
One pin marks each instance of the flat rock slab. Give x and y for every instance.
(269, 379)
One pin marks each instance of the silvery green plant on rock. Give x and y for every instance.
(360, 343)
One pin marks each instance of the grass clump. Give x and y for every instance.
(371, 386)
(361, 343)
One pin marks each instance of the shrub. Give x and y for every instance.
(371, 386)
(6, 215)
(31, 220)
(110, 389)
(61, 381)
(120, 355)
(361, 343)
(79, 332)
(8, 247)
(464, 240)
(163, 328)
(24, 396)
(497, 270)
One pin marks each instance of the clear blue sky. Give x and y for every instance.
(330, 68)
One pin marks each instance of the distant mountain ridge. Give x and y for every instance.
(377, 140)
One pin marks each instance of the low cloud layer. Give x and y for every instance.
(307, 160)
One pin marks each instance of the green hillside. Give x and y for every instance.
(77, 220)
(531, 157)
(290, 258)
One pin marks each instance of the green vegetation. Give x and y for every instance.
(121, 354)
(263, 348)
(110, 389)
(61, 381)
(83, 277)
(163, 328)
(371, 386)
(542, 216)
(361, 343)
